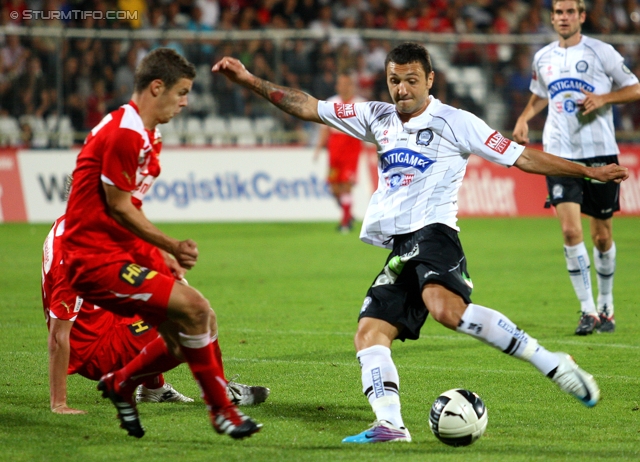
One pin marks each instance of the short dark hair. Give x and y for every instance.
(410, 52)
(164, 64)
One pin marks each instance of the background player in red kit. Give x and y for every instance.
(87, 340)
(105, 251)
(344, 152)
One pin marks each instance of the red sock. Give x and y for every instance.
(345, 203)
(218, 354)
(153, 360)
(198, 351)
(154, 382)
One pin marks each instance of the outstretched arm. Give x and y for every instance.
(535, 161)
(59, 350)
(534, 106)
(292, 101)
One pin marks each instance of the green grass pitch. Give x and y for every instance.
(287, 298)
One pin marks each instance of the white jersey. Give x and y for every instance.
(336, 99)
(559, 74)
(420, 163)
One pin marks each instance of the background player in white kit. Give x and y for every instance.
(576, 76)
(423, 148)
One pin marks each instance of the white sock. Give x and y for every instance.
(381, 383)
(495, 329)
(579, 268)
(605, 263)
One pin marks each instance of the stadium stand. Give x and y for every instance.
(86, 71)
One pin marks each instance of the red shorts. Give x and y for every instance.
(125, 288)
(344, 153)
(116, 347)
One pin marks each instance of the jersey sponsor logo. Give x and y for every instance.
(561, 85)
(345, 111)
(582, 66)
(498, 143)
(135, 274)
(424, 137)
(398, 179)
(402, 158)
(138, 328)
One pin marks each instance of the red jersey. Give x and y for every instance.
(91, 324)
(118, 151)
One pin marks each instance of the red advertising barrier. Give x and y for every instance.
(491, 190)
(12, 207)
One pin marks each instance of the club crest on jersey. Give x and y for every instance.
(344, 111)
(582, 66)
(403, 158)
(135, 274)
(424, 137)
(570, 106)
(558, 191)
(561, 85)
(497, 142)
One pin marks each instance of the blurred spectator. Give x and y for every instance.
(17, 7)
(210, 12)
(29, 93)
(323, 22)
(323, 84)
(14, 57)
(198, 51)
(97, 103)
(137, 12)
(123, 84)
(297, 64)
(306, 10)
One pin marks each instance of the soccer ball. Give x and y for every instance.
(458, 417)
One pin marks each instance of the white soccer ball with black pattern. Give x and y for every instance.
(458, 417)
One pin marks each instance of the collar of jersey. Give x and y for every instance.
(421, 121)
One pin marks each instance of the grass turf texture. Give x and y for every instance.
(287, 298)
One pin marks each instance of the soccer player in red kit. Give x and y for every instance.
(105, 246)
(87, 340)
(344, 152)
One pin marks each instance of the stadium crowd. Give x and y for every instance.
(97, 74)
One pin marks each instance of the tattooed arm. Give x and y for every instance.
(292, 101)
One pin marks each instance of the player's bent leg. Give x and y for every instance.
(495, 329)
(192, 312)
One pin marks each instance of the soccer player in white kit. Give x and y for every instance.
(579, 78)
(423, 148)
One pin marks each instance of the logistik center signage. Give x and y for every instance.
(234, 184)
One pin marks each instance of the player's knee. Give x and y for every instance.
(196, 310)
(572, 235)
